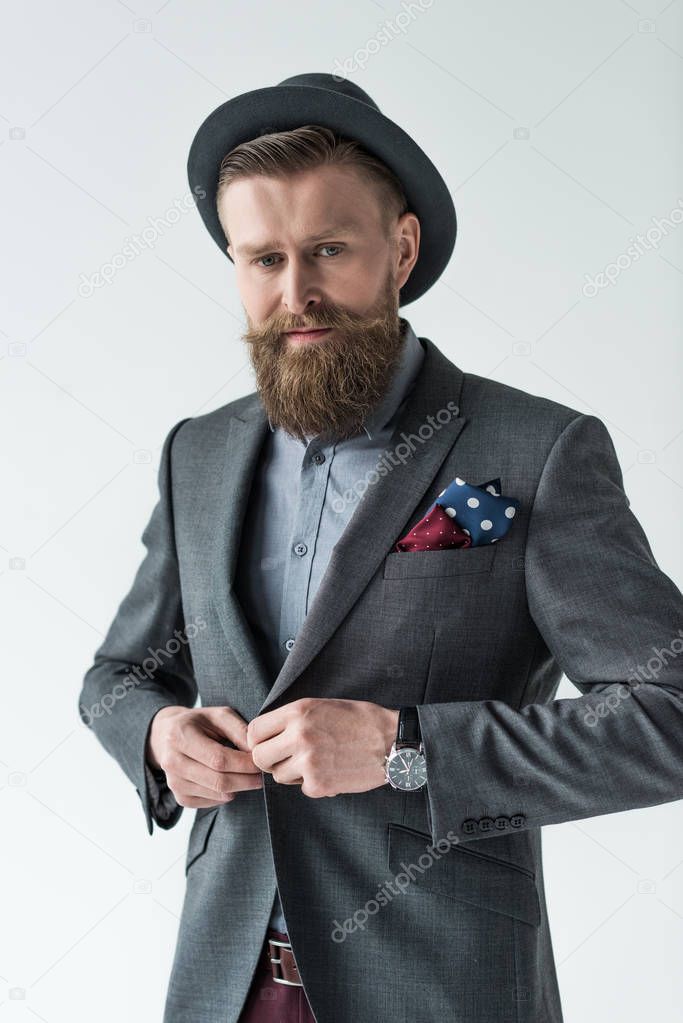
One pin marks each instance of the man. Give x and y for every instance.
(380, 665)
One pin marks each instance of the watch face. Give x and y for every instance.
(407, 769)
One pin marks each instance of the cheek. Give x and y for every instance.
(355, 287)
(257, 299)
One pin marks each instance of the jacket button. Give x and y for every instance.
(469, 826)
(485, 823)
(501, 823)
(518, 820)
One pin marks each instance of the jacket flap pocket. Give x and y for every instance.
(465, 874)
(199, 835)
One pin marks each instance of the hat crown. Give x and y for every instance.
(332, 83)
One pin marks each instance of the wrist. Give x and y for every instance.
(406, 767)
(159, 715)
(390, 728)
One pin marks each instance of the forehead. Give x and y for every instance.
(320, 200)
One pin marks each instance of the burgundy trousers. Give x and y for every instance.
(270, 1002)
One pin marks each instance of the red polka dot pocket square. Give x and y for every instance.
(463, 515)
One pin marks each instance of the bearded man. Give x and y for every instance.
(373, 571)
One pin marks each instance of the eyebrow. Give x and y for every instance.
(255, 250)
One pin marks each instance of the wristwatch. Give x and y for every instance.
(405, 766)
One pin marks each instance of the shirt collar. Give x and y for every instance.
(410, 359)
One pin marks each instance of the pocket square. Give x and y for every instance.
(463, 515)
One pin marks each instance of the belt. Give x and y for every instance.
(278, 957)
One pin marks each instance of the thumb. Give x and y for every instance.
(228, 726)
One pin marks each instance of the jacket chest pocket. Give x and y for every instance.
(453, 561)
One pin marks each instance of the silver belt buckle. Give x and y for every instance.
(274, 959)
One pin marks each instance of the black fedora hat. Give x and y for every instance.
(346, 109)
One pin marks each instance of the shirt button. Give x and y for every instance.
(469, 826)
(501, 823)
(485, 823)
(518, 820)
(290, 643)
(300, 549)
(318, 458)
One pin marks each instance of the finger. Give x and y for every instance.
(286, 772)
(269, 753)
(270, 723)
(193, 799)
(186, 771)
(209, 751)
(226, 723)
(184, 790)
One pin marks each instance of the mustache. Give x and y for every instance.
(323, 317)
(315, 321)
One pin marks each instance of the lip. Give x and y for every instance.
(306, 336)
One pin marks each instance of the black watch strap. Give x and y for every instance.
(408, 727)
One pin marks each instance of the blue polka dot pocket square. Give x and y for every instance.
(463, 515)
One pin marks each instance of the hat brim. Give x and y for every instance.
(284, 107)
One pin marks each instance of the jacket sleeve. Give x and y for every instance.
(144, 662)
(613, 621)
(165, 808)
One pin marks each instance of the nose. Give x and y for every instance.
(300, 289)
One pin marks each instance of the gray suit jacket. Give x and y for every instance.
(427, 905)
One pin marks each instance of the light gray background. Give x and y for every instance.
(558, 129)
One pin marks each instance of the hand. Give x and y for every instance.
(329, 746)
(189, 744)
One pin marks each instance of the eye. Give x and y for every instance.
(259, 260)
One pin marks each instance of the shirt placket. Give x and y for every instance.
(313, 476)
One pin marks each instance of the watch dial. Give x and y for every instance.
(408, 769)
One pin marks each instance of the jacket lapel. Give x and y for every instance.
(411, 459)
(240, 451)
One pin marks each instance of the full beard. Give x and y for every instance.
(327, 387)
